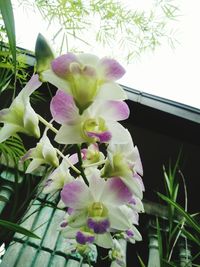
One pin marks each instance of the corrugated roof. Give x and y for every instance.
(166, 105)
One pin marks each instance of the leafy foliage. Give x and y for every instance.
(8, 18)
(181, 225)
(134, 31)
(12, 150)
(16, 228)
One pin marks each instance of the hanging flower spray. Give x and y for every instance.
(102, 196)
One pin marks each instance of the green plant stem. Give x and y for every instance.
(68, 161)
(50, 126)
(47, 124)
(176, 239)
(81, 164)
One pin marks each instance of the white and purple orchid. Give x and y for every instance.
(92, 155)
(20, 116)
(123, 160)
(99, 179)
(86, 78)
(58, 178)
(98, 123)
(98, 207)
(43, 153)
(117, 254)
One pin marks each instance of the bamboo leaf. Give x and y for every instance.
(193, 223)
(16, 228)
(8, 18)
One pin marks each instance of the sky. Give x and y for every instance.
(166, 72)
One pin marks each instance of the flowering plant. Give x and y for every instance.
(100, 184)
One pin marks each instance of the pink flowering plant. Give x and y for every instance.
(100, 185)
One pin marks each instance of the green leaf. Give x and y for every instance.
(169, 264)
(43, 54)
(8, 18)
(191, 222)
(5, 86)
(191, 237)
(16, 228)
(6, 65)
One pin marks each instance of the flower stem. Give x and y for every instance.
(47, 124)
(81, 163)
(68, 161)
(95, 164)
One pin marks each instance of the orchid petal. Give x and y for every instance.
(136, 204)
(138, 163)
(61, 204)
(103, 137)
(74, 158)
(97, 184)
(63, 108)
(138, 179)
(20, 116)
(88, 59)
(61, 64)
(113, 110)
(131, 214)
(35, 163)
(33, 84)
(50, 76)
(69, 134)
(118, 220)
(116, 192)
(58, 178)
(111, 91)
(49, 152)
(31, 121)
(119, 133)
(111, 69)
(76, 195)
(8, 130)
(78, 219)
(136, 235)
(69, 232)
(133, 185)
(104, 240)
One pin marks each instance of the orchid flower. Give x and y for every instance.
(88, 251)
(92, 154)
(97, 207)
(124, 161)
(97, 124)
(116, 254)
(43, 153)
(58, 178)
(86, 77)
(132, 235)
(20, 116)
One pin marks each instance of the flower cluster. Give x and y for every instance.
(100, 185)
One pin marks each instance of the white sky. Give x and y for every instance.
(172, 74)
